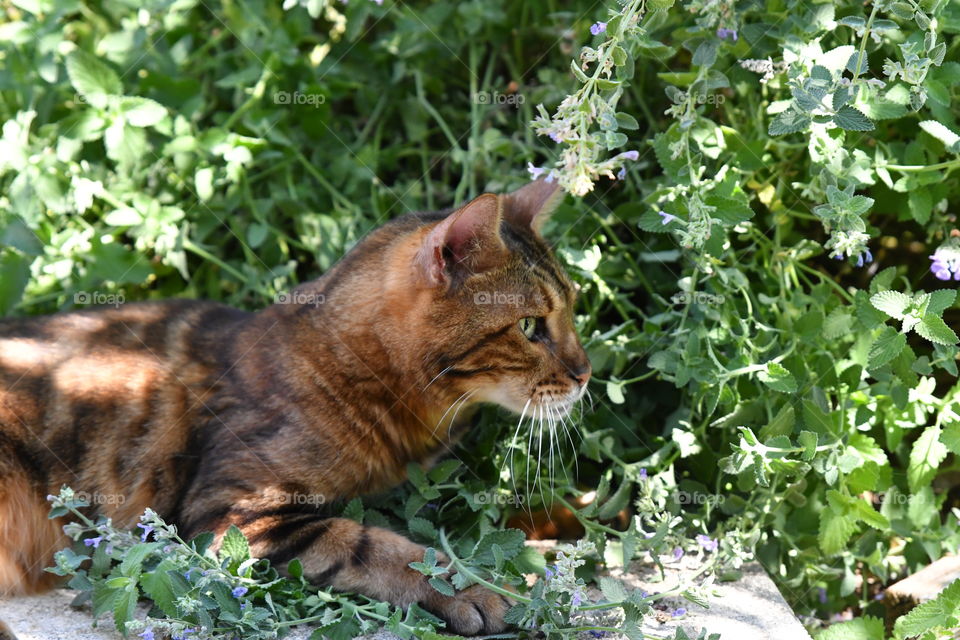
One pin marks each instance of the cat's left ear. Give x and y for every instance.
(465, 242)
(531, 205)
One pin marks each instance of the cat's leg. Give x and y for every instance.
(5, 633)
(349, 556)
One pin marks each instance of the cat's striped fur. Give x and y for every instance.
(213, 416)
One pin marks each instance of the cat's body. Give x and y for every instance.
(213, 416)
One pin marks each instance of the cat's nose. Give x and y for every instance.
(581, 374)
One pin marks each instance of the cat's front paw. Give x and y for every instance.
(473, 611)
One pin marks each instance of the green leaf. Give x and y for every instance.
(132, 564)
(617, 502)
(14, 276)
(728, 210)
(934, 329)
(892, 303)
(886, 346)
(511, 541)
(789, 121)
(142, 112)
(866, 628)
(156, 584)
(615, 392)
(941, 612)
(835, 530)
(613, 590)
(203, 179)
(354, 509)
(951, 437)
(124, 607)
(925, 457)
(921, 205)
(778, 378)
(235, 547)
(442, 586)
(852, 119)
(92, 78)
(939, 131)
(941, 300)
(808, 440)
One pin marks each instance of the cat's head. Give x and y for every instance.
(499, 305)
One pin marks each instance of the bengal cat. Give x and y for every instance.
(214, 416)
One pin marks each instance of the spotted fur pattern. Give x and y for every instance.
(214, 416)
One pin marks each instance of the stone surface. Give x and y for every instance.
(748, 609)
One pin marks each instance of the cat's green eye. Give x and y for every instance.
(528, 326)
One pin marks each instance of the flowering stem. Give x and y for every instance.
(863, 43)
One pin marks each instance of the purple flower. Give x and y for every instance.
(946, 262)
(633, 154)
(535, 172)
(723, 33)
(183, 634)
(577, 598)
(866, 256)
(147, 529)
(556, 137)
(93, 542)
(680, 611)
(598, 634)
(667, 219)
(622, 173)
(548, 573)
(598, 27)
(147, 635)
(822, 595)
(644, 594)
(239, 592)
(677, 553)
(643, 470)
(707, 542)
(187, 573)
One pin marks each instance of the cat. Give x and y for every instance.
(214, 416)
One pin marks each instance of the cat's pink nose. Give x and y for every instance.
(581, 375)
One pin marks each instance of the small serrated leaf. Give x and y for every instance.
(934, 329)
(778, 378)
(852, 119)
(892, 303)
(885, 347)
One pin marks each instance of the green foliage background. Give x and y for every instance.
(759, 383)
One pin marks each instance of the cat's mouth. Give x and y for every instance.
(560, 405)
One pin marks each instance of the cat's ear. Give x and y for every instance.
(531, 205)
(467, 239)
